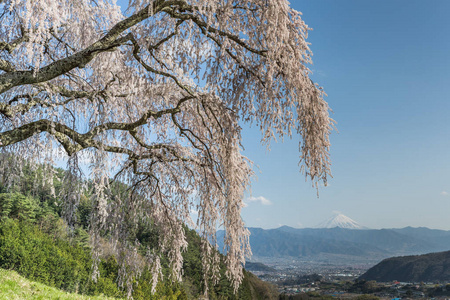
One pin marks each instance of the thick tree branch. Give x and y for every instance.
(72, 141)
(14, 44)
(78, 60)
(83, 141)
(8, 110)
(141, 121)
(6, 66)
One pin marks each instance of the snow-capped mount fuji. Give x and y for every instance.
(341, 221)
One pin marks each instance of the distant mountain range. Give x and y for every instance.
(288, 241)
(427, 268)
(344, 244)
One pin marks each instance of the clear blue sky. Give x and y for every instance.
(385, 66)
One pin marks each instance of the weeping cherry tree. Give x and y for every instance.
(152, 96)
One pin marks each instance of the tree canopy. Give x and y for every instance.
(152, 97)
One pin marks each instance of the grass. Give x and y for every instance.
(13, 286)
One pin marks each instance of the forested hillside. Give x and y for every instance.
(415, 268)
(39, 245)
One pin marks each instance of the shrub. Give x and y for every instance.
(37, 256)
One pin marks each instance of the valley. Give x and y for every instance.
(328, 260)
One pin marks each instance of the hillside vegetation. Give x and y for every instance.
(416, 268)
(36, 242)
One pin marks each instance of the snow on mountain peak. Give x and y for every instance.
(341, 221)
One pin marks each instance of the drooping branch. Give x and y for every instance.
(136, 50)
(204, 26)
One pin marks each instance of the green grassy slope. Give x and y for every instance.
(14, 286)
